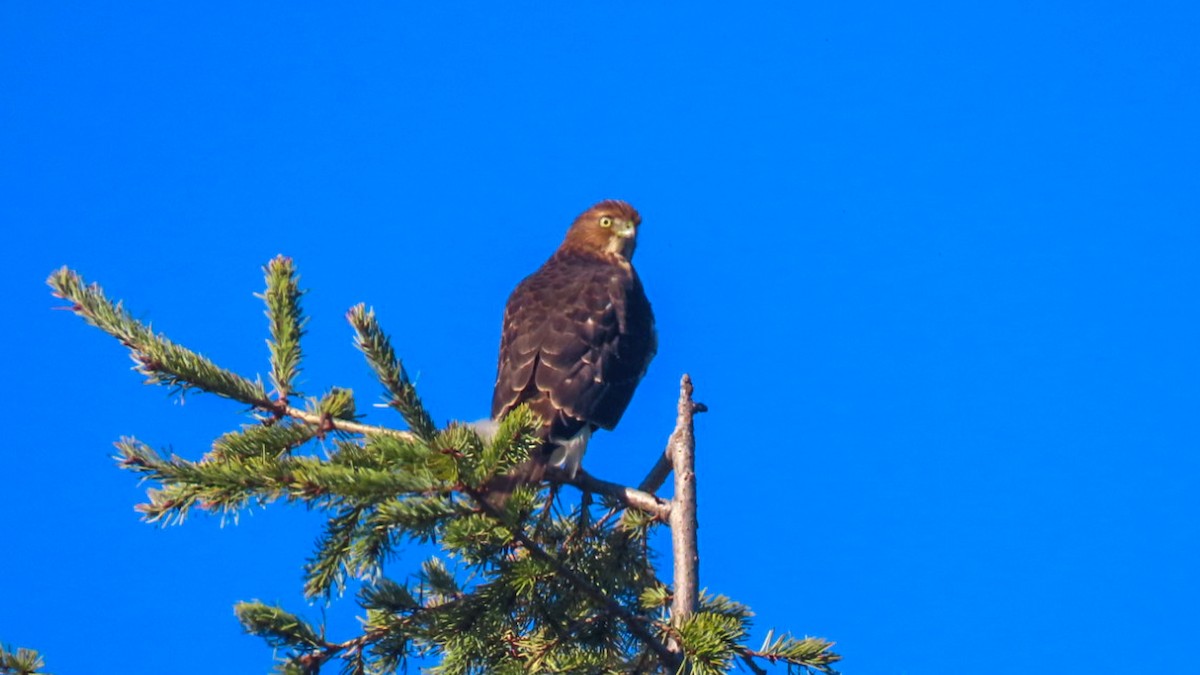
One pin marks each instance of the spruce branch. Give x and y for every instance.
(305, 651)
(636, 624)
(386, 595)
(257, 440)
(420, 518)
(359, 539)
(21, 661)
(383, 646)
(812, 654)
(231, 484)
(476, 538)
(166, 363)
(377, 348)
(287, 323)
(720, 604)
(156, 357)
(326, 570)
(280, 628)
(392, 453)
(709, 641)
(513, 441)
(438, 581)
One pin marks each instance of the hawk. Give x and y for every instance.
(577, 338)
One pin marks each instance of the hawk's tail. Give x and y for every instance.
(499, 488)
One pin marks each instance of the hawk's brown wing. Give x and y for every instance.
(578, 335)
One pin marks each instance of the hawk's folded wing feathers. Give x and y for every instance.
(578, 336)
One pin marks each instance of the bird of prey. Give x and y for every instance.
(578, 336)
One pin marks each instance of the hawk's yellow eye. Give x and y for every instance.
(605, 221)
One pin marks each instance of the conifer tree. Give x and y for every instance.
(540, 586)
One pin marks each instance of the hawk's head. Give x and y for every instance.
(608, 227)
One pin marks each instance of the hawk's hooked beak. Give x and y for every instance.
(624, 238)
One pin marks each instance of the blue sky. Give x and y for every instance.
(933, 267)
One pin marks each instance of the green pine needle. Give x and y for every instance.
(719, 604)
(377, 348)
(160, 360)
(384, 451)
(280, 628)
(476, 537)
(655, 597)
(811, 653)
(327, 569)
(437, 581)
(230, 483)
(259, 440)
(386, 595)
(514, 441)
(338, 404)
(710, 641)
(21, 661)
(287, 323)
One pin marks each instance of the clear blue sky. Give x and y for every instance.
(933, 266)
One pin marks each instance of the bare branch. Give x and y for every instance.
(658, 475)
(327, 423)
(683, 510)
(631, 498)
(754, 667)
